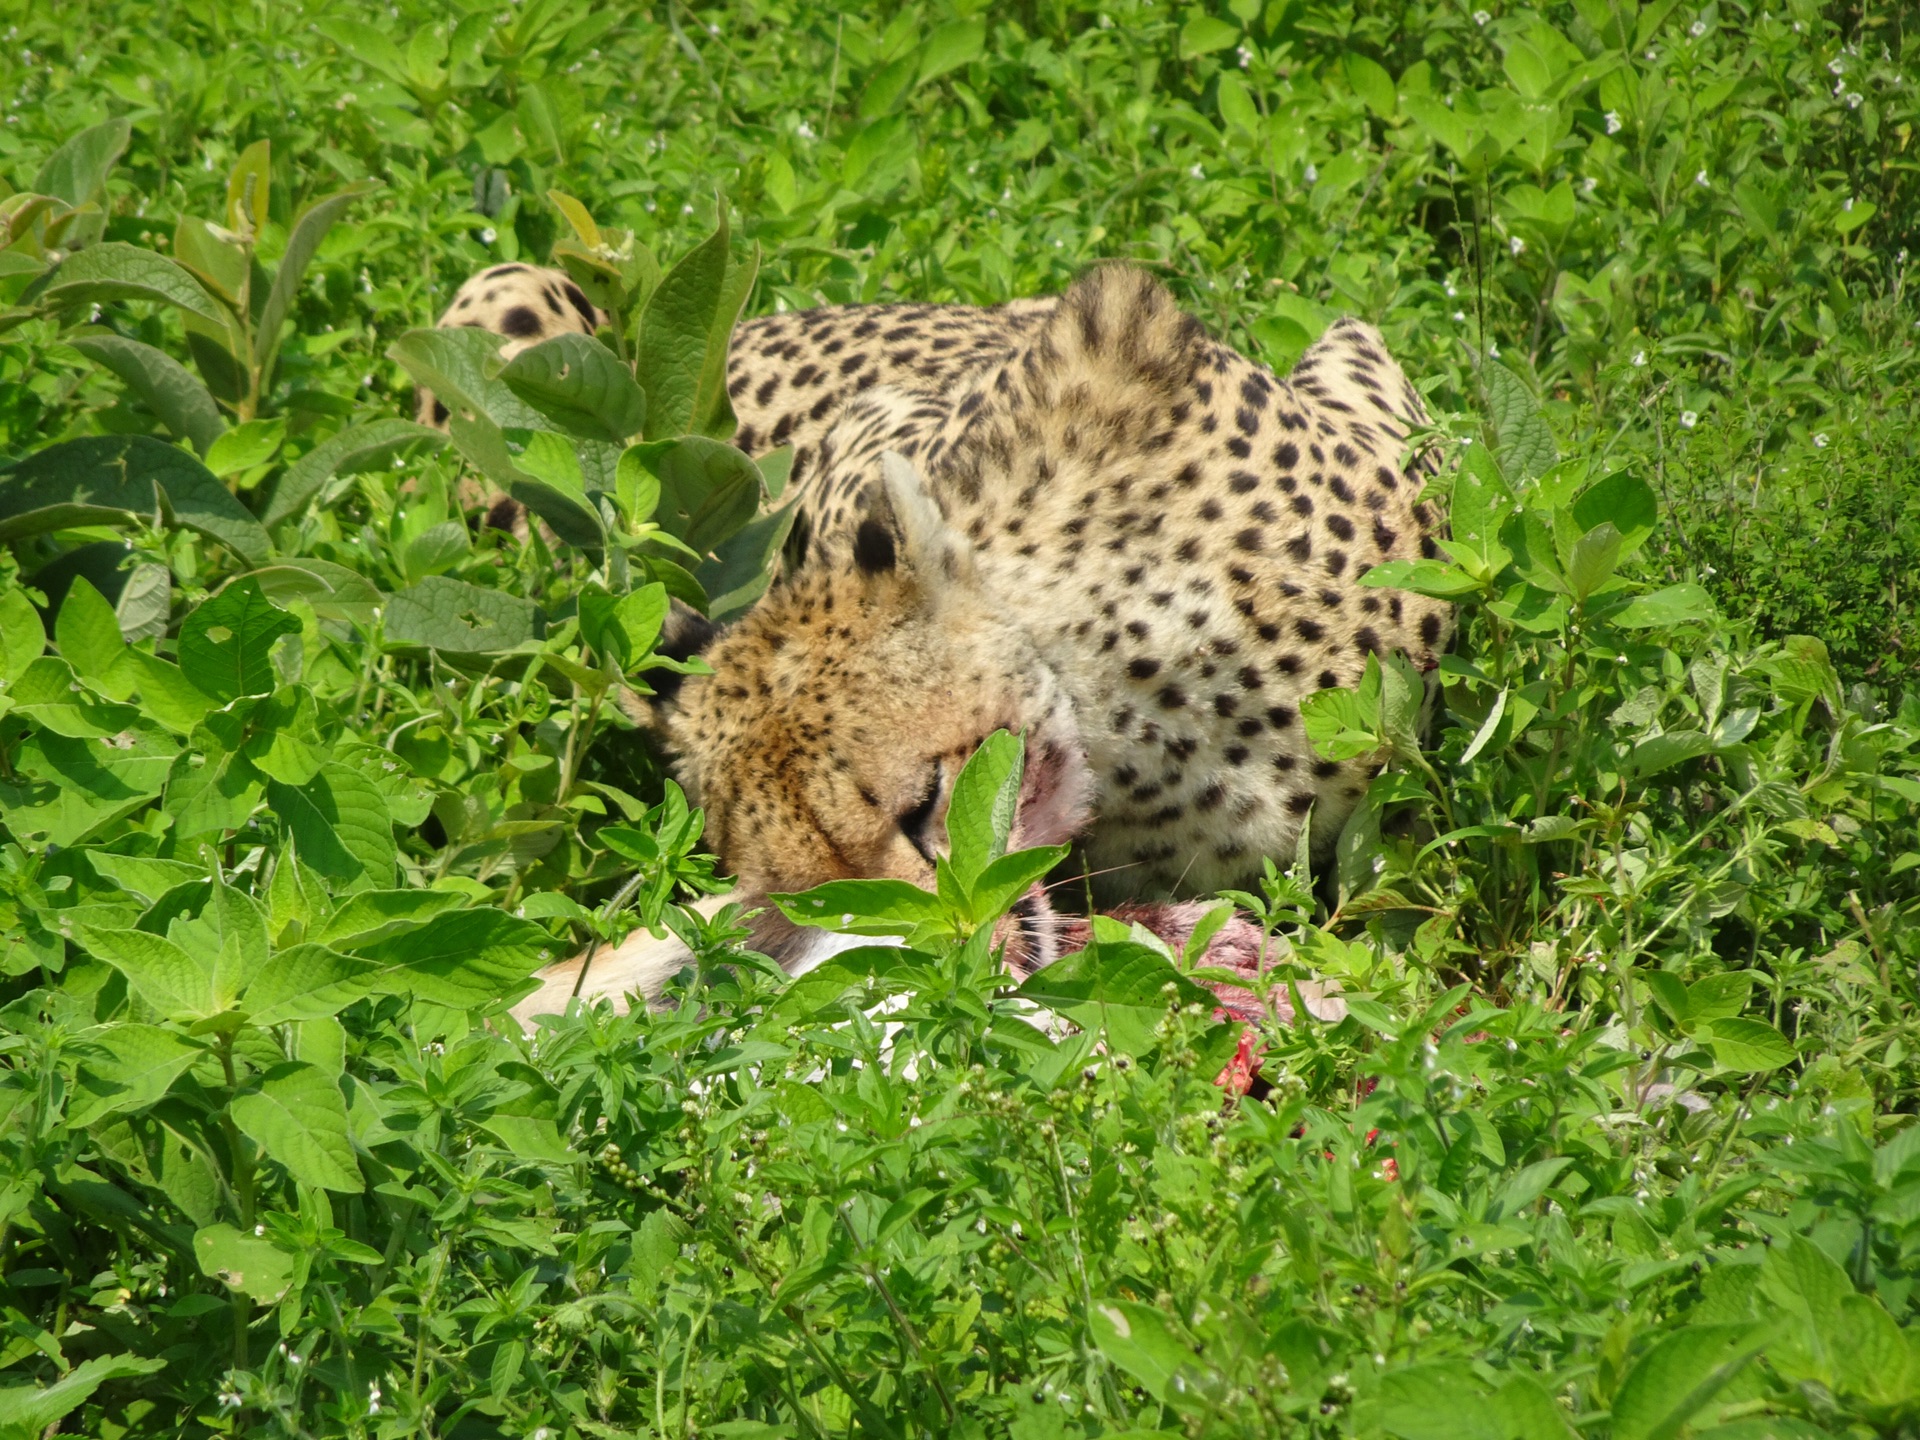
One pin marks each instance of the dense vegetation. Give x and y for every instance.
(302, 772)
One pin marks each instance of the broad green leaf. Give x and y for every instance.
(334, 591)
(1720, 997)
(709, 490)
(299, 1117)
(77, 171)
(863, 907)
(88, 633)
(1372, 83)
(1684, 604)
(1749, 1046)
(1009, 877)
(742, 566)
(375, 914)
(161, 383)
(226, 644)
(683, 338)
(1120, 986)
(1141, 1342)
(249, 185)
(956, 43)
(980, 813)
(563, 506)
(356, 448)
(340, 825)
(163, 692)
(128, 1068)
(118, 480)
(180, 986)
(1678, 1375)
(33, 1410)
(462, 366)
(532, 1137)
(1440, 1400)
(465, 959)
(245, 446)
(1203, 34)
(1525, 1186)
(623, 628)
(462, 620)
(111, 270)
(581, 386)
(1593, 559)
(49, 694)
(85, 783)
(23, 638)
(302, 242)
(144, 876)
(1624, 501)
(1856, 214)
(1526, 443)
(306, 982)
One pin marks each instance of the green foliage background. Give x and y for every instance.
(301, 775)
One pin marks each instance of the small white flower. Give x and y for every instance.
(1590, 184)
(1847, 204)
(1835, 65)
(1700, 178)
(1481, 17)
(1493, 350)
(1450, 290)
(1614, 123)
(259, 1229)
(804, 131)
(1688, 419)
(1697, 29)
(1246, 56)
(1820, 441)
(1651, 55)
(1854, 97)
(488, 235)
(1639, 357)
(1312, 172)
(1516, 244)
(1194, 170)
(1459, 317)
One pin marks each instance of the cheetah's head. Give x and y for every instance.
(841, 709)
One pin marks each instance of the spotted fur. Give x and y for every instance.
(1081, 518)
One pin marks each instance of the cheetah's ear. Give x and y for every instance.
(906, 530)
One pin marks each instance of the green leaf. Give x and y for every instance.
(623, 629)
(129, 1069)
(1624, 501)
(302, 243)
(340, 825)
(683, 338)
(356, 448)
(581, 386)
(1139, 1341)
(1008, 878)
(88, 784)
(375, 914)
(1526, 1186)
(462, 620)
(306, 982)
(1440, 1400)
(88, 632)
(299, 1117)
(164, 693)
(1684, 604)
(48, 694)
(1678, 1375)
(863, 907)
(562, 505)
(1748, 1046)
(113, 271)
(77, 171)
(1526, 443)
(1854, 216)
(161, 383)
(249, 186)
(1593, 559)
(120, 480)
(23, 638)
(709, 489)
(956, 43)
(1203, 34)
(1372, 83)
(743, 565)
(465, 959)
(980, 813)
(1120, 986)
(226, 644)
(178, 985)
(246, 446)
(462, 366)
(33, 1410)
(334, 591)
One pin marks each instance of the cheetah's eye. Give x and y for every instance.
(917, 824)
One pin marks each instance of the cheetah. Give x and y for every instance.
(1082, 519)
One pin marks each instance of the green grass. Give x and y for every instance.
(1614, 1140)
